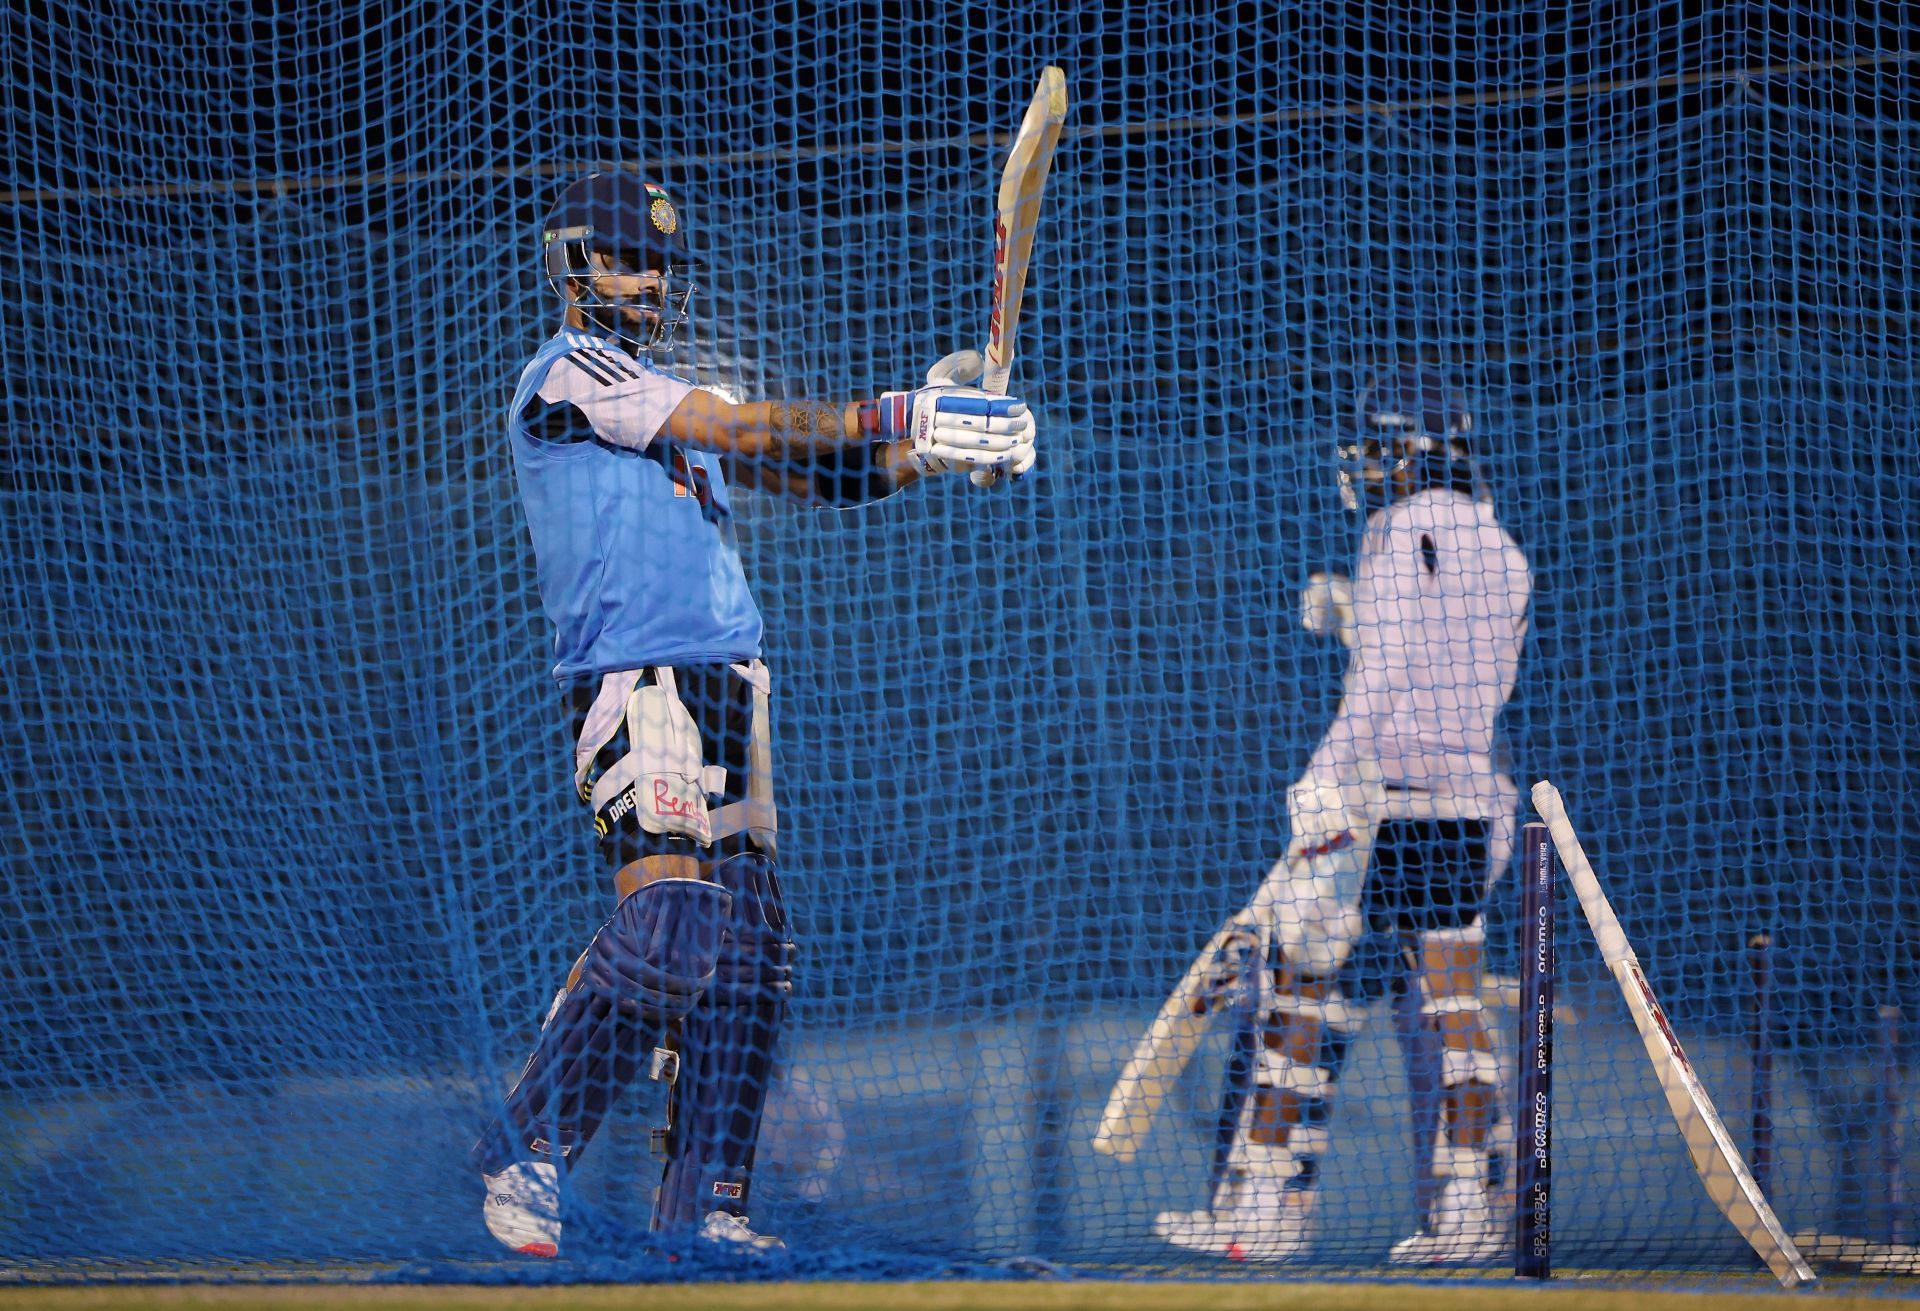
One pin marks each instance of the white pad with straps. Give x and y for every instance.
(1278, 1070)
(1311, 896)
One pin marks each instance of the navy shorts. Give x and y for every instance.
(1426, 874)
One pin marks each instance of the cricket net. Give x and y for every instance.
(292, 867)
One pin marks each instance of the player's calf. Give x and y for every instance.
(1461, 1225)
(726, 1058)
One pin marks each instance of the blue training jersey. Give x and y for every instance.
(632, 531)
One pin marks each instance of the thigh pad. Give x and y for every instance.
(676, 761)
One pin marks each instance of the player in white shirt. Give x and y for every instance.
(1400, 825)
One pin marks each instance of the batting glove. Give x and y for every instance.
(965, 366)
(953, 427)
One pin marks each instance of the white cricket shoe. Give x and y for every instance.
(522, 1207)
(1461, 1231)
(728, 1228)
(1262, 1220)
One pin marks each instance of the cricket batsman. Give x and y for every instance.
(1399, 826)
(627, 474)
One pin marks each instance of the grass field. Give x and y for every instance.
(1277, 1295)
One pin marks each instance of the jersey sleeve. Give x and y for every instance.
(621, 402)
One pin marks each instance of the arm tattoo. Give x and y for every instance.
(804, 420)
(793, 430)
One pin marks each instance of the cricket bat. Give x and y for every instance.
(1715, 1158)
(1164, 1051)
(1017, 216)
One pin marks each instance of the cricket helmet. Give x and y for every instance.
(612, 226)
(1412, 431)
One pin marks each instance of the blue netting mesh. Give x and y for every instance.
(290, 861)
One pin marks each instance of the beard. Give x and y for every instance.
(636, 324)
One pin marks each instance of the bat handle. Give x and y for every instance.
(993, 379)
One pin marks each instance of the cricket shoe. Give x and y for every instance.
(522, 1208)
(1262, 1221)
(1461, 1231)
(733, 1231)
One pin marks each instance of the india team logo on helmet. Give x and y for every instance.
(1412, 432)
(614, 249)
(660, 211)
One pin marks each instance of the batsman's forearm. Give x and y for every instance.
(802, 437)
(892, 456)
(794, 432)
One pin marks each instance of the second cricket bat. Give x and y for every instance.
(1715, 1158)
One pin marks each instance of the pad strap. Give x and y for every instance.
(1278, 1070)
(1467, 935)
(1284, 1161)
(756, 816)
(1458, 1068)
(1334, 1011)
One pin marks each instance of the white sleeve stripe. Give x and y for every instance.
(627, 412)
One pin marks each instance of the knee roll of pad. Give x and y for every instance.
(661, 948)
(1317, 944)
(644, 970)
(1458, 1068)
